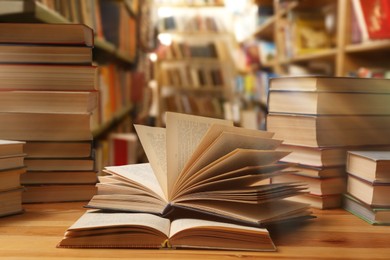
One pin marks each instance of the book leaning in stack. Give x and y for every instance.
(206, 186)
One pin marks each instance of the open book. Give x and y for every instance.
(140, 230)
(203, 166)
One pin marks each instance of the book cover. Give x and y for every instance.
(377, 18)
(50, 33)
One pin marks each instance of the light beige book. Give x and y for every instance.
(60, 164)
(369, 165)
(140, 230)
(43, 33)
(374, 193)
(58, 177)
(8, 147)
(45, 54)
(329, 130)
(316, 186)
(44, 126)
(59, 149)
(329, 103)
(11, 202)
(203, 165)
(58, 193)
(40, 101)
(330, 84)
(323, 156)
(11, 162)
(48, 77)
(10, 179)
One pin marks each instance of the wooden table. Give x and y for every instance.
(334, 234)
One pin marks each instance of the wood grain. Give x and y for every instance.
(334, 234)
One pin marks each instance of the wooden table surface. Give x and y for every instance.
(334, 234)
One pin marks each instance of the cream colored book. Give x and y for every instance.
(140, 230)
(203, 166)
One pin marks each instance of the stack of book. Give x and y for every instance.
(368, 187)
(48, 93)
(11, 168)
(320, 119)
(202, 188)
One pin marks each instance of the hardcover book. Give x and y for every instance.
(201, 167)
(140, 230)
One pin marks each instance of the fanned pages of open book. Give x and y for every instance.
(200, 169)
(203, 165)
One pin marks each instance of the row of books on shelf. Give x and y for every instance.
(320, 119)
(193, 77)
(369, 20)
(110, 20)
(190, 23)
(258, 53)
(118, 88)
(253, 87)
(302, 33)
(185, 50)
(194, 105)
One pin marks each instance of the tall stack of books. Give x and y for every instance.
(48, 93)
(11, 167)
(320, 119)
(368, 187)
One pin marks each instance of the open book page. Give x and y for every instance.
(184, 133)
(179, 225)
(97, 229)
(237, 159)
(141, 174)
(230, 182)
(251, 195)
(259, 215)
(196, 233)
(94, 220)
(262, 171)
(215, 131)
(224, 144)
(153, 140)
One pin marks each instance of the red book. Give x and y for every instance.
(377, 17)
(123, 149)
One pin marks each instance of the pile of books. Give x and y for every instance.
(320, 119)
(368, 187)
(11, 168)
(202, 188)
(48, 93)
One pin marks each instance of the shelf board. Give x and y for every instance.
(368, 46)
(33, 11)
(192, 60)
(111, 51)
(213, 89)
(114, 121)
(325, 54)
(266, 30)
(185, 5)
(29, 11)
